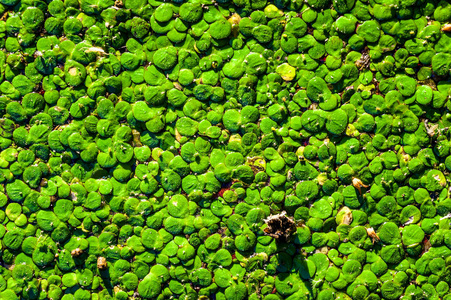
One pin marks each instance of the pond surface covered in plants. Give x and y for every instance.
(229, 149)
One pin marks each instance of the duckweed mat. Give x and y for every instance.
(228, 149)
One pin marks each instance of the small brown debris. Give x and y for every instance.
(427, 245)
(4, 17)
(178, 86)
(101, 263)
(43, 182)
(431, 129)
(446, 28)
(280, 227)
(372, 234)
(364, 61)
(358, 184)
(76, 252)
(347, 218)
(136, 138)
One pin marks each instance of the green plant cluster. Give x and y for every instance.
(150, 149)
